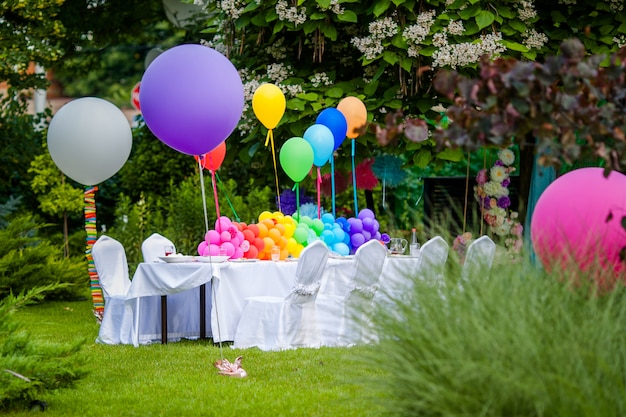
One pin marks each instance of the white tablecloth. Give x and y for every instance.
(234, 281)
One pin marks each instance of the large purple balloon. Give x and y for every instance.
(336, 122)
(191, 98)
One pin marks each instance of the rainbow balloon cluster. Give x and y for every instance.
(290, 234)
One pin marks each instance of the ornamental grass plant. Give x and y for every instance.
(513, 342)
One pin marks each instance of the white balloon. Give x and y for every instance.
(89, 139)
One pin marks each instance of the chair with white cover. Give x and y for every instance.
(479, 258)
(183, 319)
(433, 257)
(358, 304)
(109, 258)
(276, 323)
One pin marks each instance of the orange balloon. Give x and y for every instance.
(355, 113)
(281, 228)
(274, 234)
(269, 244)
(284, 254)
(282, 242)
(213, 160)
(262, 230)
(269, 223)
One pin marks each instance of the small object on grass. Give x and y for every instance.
(231, 369)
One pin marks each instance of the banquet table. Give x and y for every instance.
(226, 285)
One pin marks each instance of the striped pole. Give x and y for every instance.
(92, 235)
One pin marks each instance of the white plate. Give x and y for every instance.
(176, 259)
(243, 260)
(211, 259)
(343, 258)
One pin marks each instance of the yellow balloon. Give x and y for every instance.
(265, 215)
(289, 229)
(355, 113)
(291, 245)
(268, 103)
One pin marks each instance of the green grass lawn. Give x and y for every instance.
(179, 379)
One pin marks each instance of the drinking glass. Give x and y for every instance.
(169, 250)
(275, 253)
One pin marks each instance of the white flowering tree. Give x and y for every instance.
(387, 52)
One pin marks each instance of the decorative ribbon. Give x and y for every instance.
(296, 188)
(356, 206)
(306, 290)
(222, 187)
(270, 139)
(332, 181)
(92, 234)
(319, 192)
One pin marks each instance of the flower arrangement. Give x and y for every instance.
(492, 193)
(460, 244)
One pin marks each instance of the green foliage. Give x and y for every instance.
(514, 342)
(30, 367)
(28, 261)
(572, 104)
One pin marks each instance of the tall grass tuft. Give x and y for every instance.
(514, 342)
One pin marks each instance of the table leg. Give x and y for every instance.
(164, 319)
(203, 311)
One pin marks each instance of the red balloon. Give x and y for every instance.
(252, 253)
(213, 160)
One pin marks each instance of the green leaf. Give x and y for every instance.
(317, 106)
(308, 96)
(406, 65)
(324, 4)
(335, 92)
(395, 104)
(428, 51)
(278, 27)
(484, 19)
(348, 16)
(390, 57)
(470, 12)
(449, 154)
(296, 104)
(422, 158)
(514, 46)
(253, 5)
(471, 28)
(317, 16)
(329, 31)
(506, 12)
(518, 25)
(370, 88)
(244, 21)
(557, 17)
(399, 42)
(381, 7)
(310, 27)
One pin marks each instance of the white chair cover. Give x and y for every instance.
(183, 318)
(433, 257)
(109, 258)
(479, 257)
(275, 323)
(358, 304)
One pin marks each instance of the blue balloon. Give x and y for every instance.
(321, 140)
(328, 218)
(328, 237)
(336, 122)
(341, 248)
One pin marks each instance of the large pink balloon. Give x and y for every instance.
(191, 98)
(577, 221)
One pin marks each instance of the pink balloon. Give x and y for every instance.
(222, 224)
(245, 246)
(238, 253)
(225, 236)
(202, 246)
(213, 250)
(577, 221)
(230, 248)
(235, 241)
(212, 236)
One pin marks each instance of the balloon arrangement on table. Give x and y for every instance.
(291, 234)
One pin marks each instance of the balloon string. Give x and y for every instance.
(222, 187)
(217, 205)
(270, 138)
(298, 200)
(319, 189)
(384, 185)
(332, 181)
(206, 216)
(356, 209)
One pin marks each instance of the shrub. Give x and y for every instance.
(30, 367)
(26, 261)
(519, 342)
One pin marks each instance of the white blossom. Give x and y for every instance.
(290, 14)
(534, 39)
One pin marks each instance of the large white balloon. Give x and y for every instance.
(89, 139)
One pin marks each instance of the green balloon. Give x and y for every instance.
(301, 234)
(296, 158)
